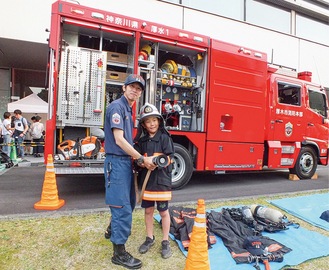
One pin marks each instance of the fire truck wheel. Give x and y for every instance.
(182, 167)
(306, 163)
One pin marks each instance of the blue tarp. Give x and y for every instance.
(308, 208)
(305, 245)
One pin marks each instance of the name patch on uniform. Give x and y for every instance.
(116, 118)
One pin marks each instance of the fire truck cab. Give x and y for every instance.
(226, 108)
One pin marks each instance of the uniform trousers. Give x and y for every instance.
(119, 195)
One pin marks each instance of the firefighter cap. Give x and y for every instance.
(254, 245)
(149, 110)
(132, 78)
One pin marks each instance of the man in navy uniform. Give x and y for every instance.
(120, 193)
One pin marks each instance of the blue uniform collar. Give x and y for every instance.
(125, 101)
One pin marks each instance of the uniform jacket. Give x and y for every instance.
(160, 178)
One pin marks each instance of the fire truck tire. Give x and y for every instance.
(182, 167)
(306, 163)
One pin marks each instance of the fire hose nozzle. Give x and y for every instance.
(161, 161)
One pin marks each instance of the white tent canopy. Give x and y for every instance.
(30, 104)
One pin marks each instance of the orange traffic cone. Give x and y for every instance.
(197, 256)
(49, 196)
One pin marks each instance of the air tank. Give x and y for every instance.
(266, 213)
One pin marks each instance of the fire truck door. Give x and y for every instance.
(287, 119)
(317, 113)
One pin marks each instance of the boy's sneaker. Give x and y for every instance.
(146, 245)
(165, 249)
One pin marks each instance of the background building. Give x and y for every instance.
(294, 33)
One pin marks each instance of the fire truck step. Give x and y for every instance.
(79, 170)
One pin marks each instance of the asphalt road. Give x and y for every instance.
(21, 188)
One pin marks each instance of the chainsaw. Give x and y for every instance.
(87, 148)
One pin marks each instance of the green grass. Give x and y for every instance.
(77, 241)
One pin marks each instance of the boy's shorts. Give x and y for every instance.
(161, 205)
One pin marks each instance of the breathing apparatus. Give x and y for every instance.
(271, 219)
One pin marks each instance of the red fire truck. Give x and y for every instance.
(225, 106)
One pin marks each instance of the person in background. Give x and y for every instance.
(7, 132)
(1, 137)
(21, 128)
(119, 185)
(37, 132)
(152, 138)
(28, 149)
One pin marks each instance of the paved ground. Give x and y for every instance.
(21, 188)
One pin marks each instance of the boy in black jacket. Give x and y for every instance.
(153, 139)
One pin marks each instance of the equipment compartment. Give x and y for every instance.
(180, 89)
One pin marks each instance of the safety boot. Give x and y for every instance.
(123, 258)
